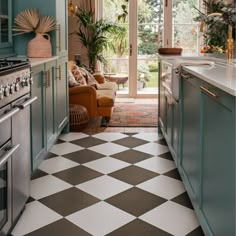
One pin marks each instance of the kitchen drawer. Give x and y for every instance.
(215, 93)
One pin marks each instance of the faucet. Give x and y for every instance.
(230, 40)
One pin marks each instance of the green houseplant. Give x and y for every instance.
(215, 32)
(94, 35)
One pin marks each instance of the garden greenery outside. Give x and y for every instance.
(150, 32)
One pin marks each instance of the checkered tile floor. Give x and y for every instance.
(112, 184)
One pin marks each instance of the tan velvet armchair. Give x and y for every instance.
(98, 102)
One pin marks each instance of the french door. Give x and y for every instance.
(149, 24)
(135, 52)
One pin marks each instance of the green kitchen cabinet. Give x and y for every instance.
(50, 111)
(50, 77)
(38, 115)
(190, 136)
(6, 47)
(217, 198)
(58, 37)
(62, 94)
(207, 161)
(168, 116)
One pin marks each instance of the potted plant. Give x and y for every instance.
(94, 35)
(143, 76)
(218, 15)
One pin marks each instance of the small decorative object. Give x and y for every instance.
(72, 8)
(79, 117)
(30, 21)
(170, 51)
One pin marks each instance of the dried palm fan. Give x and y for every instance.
(46, 24)
(26, 21)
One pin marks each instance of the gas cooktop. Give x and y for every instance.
(12, 62)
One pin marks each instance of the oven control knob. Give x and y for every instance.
(12, 88)
(31, 81)
(6, 91)
(17, 86)
(1, 92)
(22, 83)
(27, 81)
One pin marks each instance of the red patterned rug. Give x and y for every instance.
(134, 115)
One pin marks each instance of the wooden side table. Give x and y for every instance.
(118, 78)
(79, 117)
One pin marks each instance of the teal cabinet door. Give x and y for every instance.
(168, 116)
(50, 74)
(218, 164)
(61, 94)
(38, 142)
(62, 27)
(190, 148)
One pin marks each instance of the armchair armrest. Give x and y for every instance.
(85, 96)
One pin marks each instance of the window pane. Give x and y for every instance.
(115, 9)
(185, 31)
(150, 11)
(186, 37)
(149, 38)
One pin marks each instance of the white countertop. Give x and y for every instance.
(39, 61)
(222, 75)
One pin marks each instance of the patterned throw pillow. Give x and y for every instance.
(89, 78)
(78, 75)
(71, 80)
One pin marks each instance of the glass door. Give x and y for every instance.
(117, 55)
(148, 39)
(132, 59)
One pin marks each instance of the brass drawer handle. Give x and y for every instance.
(58, 28)
(209, 92)
(59, 72)
(185, 76)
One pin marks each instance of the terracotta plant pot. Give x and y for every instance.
(40, 46)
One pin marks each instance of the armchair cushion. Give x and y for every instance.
(109, 86)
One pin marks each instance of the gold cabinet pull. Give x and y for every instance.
(58, 27)
(59, 72)
(48, 77)
(45, 79)
(209, 92)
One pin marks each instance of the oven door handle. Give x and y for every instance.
(9, 114)
(4, 158)
(27, 103)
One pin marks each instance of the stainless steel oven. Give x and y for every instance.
(6, 151)
(15, 163)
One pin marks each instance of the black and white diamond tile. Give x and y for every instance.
(116, 184)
